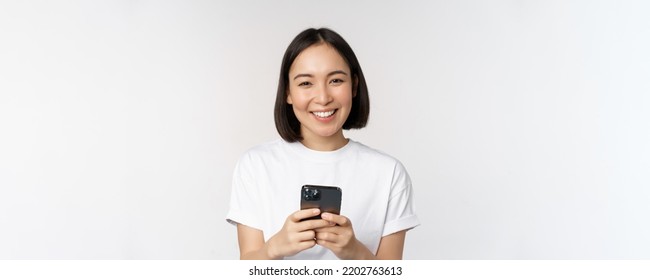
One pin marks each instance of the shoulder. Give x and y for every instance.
(256, 157)
(372, 155)
(385, 166)
(262, 151)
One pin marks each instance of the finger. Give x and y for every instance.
(303, 214)
(305, 235)
(327, 236)
(327, 244)
(312, 224)
(330, 229)
(337, 219)
(306, 244)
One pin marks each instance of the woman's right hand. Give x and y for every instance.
(295, 235)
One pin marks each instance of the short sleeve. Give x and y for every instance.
(400, 214)
(244, 200)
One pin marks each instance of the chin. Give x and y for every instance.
(325, 133)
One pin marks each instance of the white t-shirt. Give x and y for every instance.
(376, 190)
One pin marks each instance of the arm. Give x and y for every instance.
(391, 246)
(294, 237)
(251, 244)
(342, 242)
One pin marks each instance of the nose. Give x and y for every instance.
(323, 96)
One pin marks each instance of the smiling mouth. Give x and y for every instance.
(324, 114)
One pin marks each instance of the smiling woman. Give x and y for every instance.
(321, 92)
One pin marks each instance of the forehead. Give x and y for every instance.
(319, 58)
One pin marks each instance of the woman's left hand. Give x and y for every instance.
(339, 238)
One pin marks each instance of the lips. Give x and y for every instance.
(324, 114)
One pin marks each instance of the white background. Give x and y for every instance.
(523, 124)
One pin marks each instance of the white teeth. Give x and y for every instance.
(323, 114)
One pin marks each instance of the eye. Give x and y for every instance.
(336, 81)
(304, 84)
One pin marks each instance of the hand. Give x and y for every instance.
(339, 238)
(295, 235)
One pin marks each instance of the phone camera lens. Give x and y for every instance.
(312, 194)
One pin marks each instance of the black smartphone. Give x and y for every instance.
(325, 198)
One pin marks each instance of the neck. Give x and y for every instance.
(325, 144)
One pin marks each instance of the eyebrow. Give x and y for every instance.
(329, 74)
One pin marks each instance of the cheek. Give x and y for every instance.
(345, 97)
(296, 101)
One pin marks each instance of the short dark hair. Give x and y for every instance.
(285, 120)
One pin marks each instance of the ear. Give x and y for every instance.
(289, 101)
(355, 86)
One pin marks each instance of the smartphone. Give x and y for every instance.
(325, 198)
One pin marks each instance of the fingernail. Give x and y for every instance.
(325, 215)
(316, 211)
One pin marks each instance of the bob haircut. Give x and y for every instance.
(285, 120)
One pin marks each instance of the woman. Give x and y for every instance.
(321, 92)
